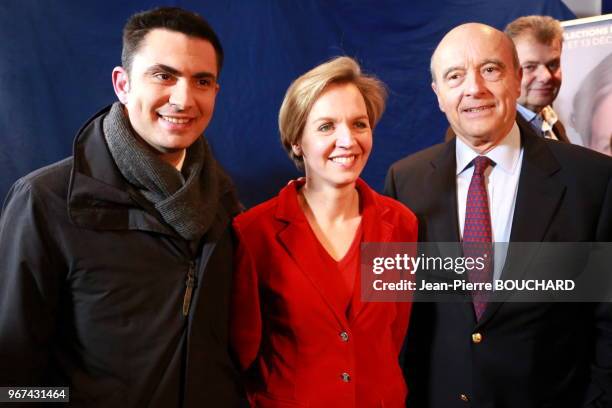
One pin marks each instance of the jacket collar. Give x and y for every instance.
(376, 226)
(538, 199)
(537, 186)
(100, 198)
(443, 225)
(288, 209)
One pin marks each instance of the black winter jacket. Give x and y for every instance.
(93, 289)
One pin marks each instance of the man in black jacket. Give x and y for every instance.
(497, 181)
(115, 264)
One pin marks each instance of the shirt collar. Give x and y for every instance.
(528, 114)
(505, 155)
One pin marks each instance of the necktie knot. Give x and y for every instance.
(480, 165)
(549, 115)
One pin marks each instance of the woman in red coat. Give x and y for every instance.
(300, 329)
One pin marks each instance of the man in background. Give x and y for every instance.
(499, 181)
(539, 42)
(115, 263)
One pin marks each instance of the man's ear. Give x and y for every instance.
(121, 84)
(435, 89)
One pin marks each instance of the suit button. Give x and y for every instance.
(344, 336)
(476, 338)
(345, 377)
(464, 398)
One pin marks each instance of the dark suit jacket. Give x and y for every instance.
(289, 326)
(559, 131)
(531, 354)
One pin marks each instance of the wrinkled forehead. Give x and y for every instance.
(471, 48)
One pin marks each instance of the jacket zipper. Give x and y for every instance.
(190, 284)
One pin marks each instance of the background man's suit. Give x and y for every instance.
(559, 131)
(557, 128)
(529, 355)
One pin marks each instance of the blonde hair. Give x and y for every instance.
(305, 90)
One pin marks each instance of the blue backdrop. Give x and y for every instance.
(56, 59)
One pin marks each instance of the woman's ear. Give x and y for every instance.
(297, 150)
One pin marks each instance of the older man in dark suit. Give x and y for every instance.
(499, 181)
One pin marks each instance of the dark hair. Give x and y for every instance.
(169, 18)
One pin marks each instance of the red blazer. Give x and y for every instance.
(288, 328)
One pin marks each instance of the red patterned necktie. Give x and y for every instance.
(477, 234)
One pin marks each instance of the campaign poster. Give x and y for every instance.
(584, 104)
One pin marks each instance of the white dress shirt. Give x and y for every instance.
(501, 181)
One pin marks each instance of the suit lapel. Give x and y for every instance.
(305, 252)
(377, 227)
(538, 198)
(559, 131)
(442, 220)
(539, 193)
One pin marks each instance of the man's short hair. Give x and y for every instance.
(305, 90)
(168, 18)
(544, 29)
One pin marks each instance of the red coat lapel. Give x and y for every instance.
(304, 251)
(376, 228)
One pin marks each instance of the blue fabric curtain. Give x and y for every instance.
(56, 59)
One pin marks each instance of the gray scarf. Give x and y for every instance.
(186, 200)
